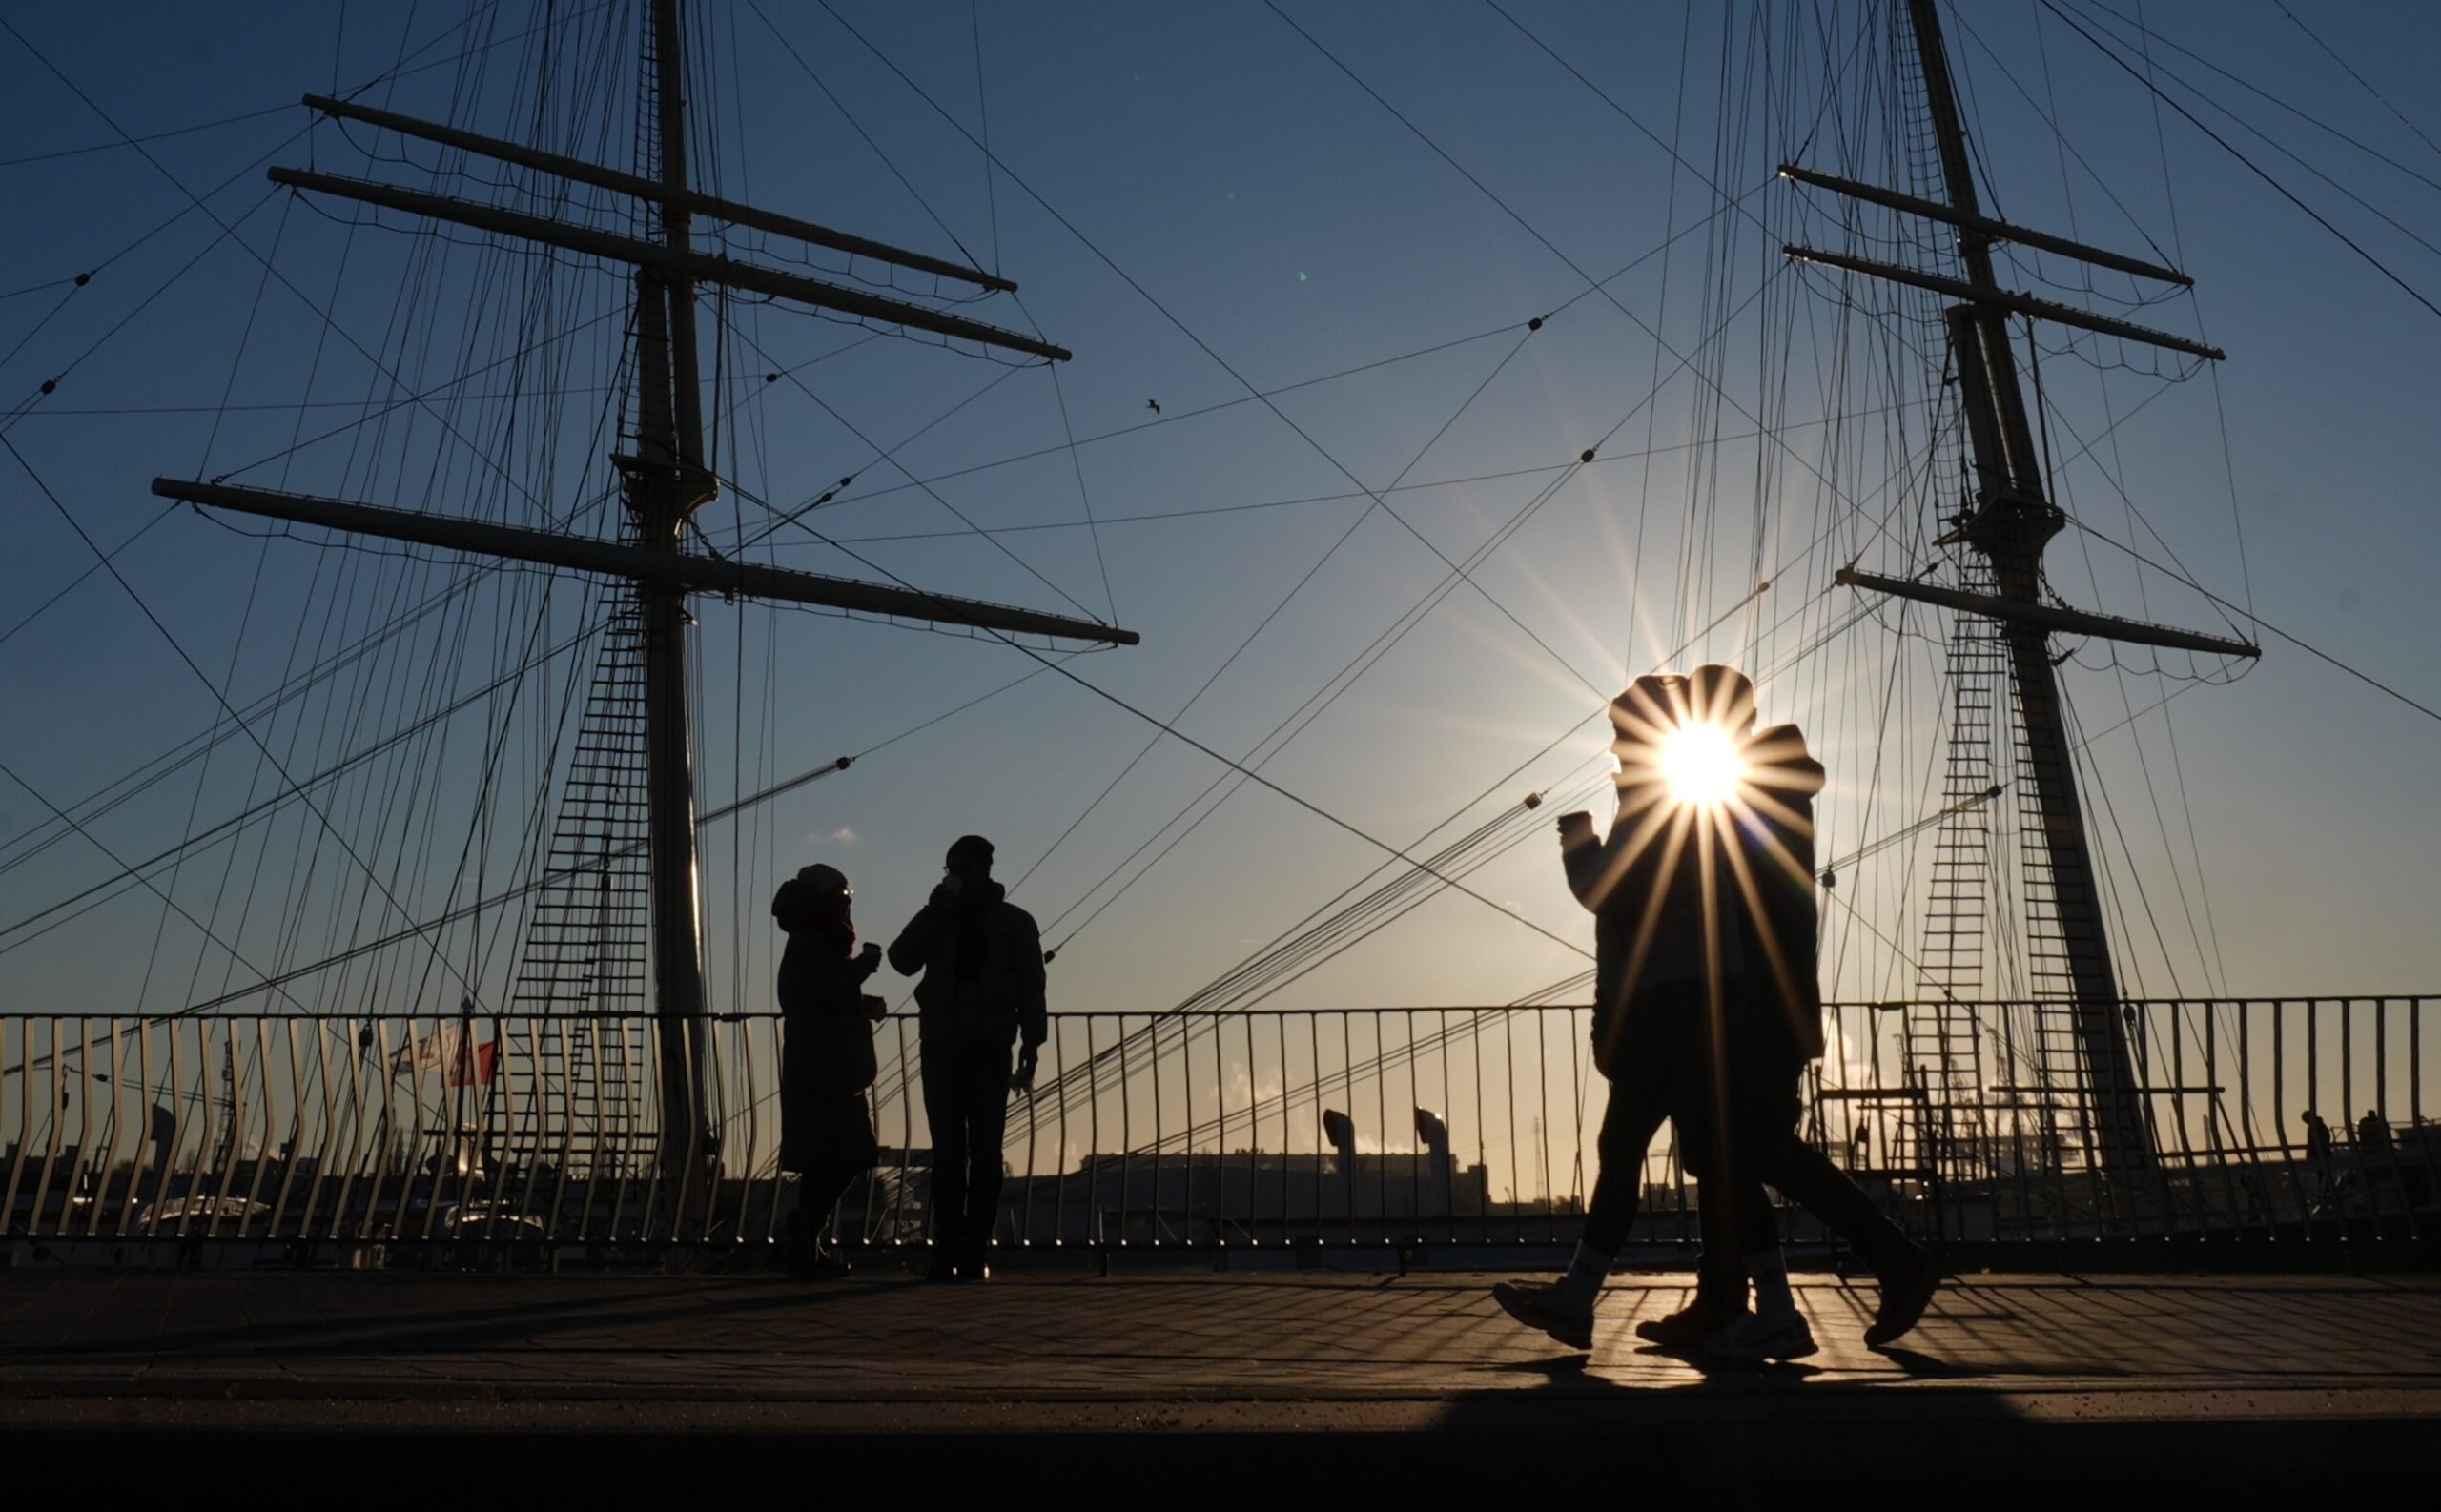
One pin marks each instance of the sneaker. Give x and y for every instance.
(1689, 1327)
(1546, 1305)
(975, 1267)
(944, 1268)
(1905, 1296)
(1758, 1337)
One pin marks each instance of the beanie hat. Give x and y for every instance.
(825, 881)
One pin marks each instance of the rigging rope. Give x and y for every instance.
(2223, 143)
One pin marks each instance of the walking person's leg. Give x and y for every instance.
(808, 1223)
(945, 1110)
(1630, 1120)
(1747, 1239)
(1777, 1329)
(796, 1234)
(818, 1194)
(1908, 1275)
(1720, 1283)
(984, 1092)
(1564, 1309)
(1700, 1116)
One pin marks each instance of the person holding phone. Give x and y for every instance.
(982, 995)
(1666, 925)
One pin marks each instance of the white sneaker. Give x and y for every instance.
(1758, 1337)
(1548, 1306)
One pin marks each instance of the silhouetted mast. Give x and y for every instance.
(665, 480)
(2009, 524)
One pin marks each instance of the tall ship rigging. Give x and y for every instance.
(438, 903)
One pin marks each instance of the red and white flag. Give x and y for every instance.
(451, 1051)
(419, 1055)
(472, 1065)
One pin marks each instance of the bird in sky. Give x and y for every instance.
(1155, 406)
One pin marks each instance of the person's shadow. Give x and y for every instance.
(1775, 1433)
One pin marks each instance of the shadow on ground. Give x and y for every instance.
(1214, 1390)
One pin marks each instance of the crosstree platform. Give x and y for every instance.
(1220, 1385)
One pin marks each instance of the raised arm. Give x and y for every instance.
(1581, 859)
(914, 941)
(1595, 865)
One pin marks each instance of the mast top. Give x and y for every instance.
(653, 191)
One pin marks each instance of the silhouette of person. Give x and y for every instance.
(982, 993)
(1769, 1028)
(826, 1058)
(2318, 1155)
(1663, 929)
(2376, 1154)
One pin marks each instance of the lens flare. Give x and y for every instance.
(1701, 765)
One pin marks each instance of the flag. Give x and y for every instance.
(450, 1050)
(417, 1055)
(472, 1066)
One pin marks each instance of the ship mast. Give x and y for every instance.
(2010, 521)
(665, 480)
(666, 484)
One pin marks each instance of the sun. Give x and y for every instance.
(1701, 765)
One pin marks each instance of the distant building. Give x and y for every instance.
(1238, 1196)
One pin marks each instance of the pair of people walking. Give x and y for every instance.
(980, 1001)
(1707, 1010)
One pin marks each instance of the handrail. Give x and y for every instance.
(441, 1138)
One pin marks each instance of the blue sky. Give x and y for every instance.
(1231, 209)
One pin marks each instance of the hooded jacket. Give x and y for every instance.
(981, 958)
(826, 1046)
(820, 976)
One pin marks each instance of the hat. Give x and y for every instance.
(1658, 703)
(825, 881)
(973, 848)
(1651, 705)
(1722, 695)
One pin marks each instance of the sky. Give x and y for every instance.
(1204, 202)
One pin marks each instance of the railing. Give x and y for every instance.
(374, 1140)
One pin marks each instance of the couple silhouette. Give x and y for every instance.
(980, 1002)
(1707, 1010)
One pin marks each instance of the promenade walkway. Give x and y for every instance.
(2013, 1381)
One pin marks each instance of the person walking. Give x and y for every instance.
(826, 1058)
(1771, 1028)
(981, 994)
(1665, 932)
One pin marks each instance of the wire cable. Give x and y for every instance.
(2250, 165)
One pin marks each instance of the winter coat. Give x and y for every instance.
(1780, 998)
(826, 1048)
(1644, 886)
(981, 958)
